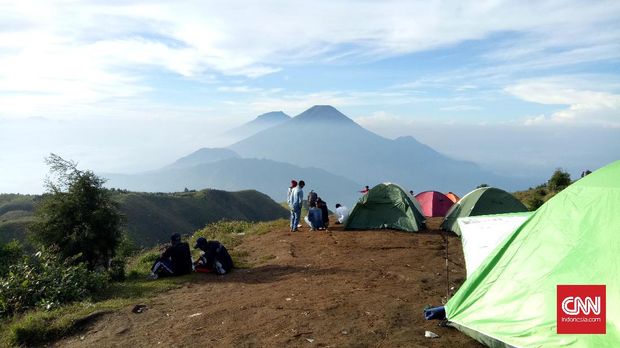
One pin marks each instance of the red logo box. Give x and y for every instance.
(581, 309)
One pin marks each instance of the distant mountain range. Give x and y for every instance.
(332, 153)
(152, 217)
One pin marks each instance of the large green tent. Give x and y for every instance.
(385, 206)
(481, 201)
(573, 239)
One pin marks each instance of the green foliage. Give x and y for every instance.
(39, 326)
(558, 181)
(534, 203)
(77, 216)
(10, 254)
(46, 281)
(152, 218)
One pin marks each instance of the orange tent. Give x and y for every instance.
(453, 197)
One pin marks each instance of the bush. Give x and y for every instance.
(535, 203)
(45, 281)
(10, 254)
(78, 216)
(558, 181)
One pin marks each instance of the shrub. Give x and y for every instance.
(10, 253)
(558, 181)
(45, 281)
(77, 215)
(535, 203)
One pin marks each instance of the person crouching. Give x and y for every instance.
(176, 260)
(215, 258)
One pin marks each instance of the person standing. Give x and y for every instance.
(295, 200)
(290, 189)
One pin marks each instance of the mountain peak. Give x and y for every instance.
(323, 113)
(273, 116)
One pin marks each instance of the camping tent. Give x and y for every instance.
(385, 206)
(480, 235)
(512, 298)
(453, 197)
(481, 201)
(434, 203)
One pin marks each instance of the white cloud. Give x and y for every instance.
(82, 52)
(585, 104)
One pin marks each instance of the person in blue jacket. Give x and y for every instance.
(215, 258)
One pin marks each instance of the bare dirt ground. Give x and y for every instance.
(307, 289)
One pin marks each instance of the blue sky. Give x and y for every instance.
(132, 85)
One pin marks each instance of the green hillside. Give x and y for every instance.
(152, 217)
(16, 212)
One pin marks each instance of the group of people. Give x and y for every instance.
(177, 260)
(318, 214)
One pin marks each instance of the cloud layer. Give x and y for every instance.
(80, 53)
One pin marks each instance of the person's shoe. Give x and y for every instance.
(153, 276)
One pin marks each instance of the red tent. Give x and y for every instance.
(434, 203)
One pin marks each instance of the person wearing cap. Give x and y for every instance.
(290, 189)
(295, 200)
(215, 258)
(176, 260)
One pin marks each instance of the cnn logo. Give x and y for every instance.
(576, 305)
(581, 309)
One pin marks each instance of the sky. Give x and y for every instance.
(520, 88)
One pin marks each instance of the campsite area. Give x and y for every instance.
(307, 289)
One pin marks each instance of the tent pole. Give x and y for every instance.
(447, 268)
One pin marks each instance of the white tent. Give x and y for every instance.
(481, 234)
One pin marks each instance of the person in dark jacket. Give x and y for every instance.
(176, 260)
(215, 258)
(324, 212)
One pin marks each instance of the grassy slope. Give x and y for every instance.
(534, 197)
(37, 327)
(153, 217)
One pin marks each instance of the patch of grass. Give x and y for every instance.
(38, 327)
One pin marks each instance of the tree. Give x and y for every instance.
(558, 181)
(77, 215)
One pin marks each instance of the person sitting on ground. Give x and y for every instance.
(365, 190)
(314, 219)
(214, 259)
(342, 213)
(176, 260)
(312, 197)
(324, 212)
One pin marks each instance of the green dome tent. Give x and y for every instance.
(385, 206)
(481, 201)
(573, 239)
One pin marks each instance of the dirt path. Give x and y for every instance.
(309, 289)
